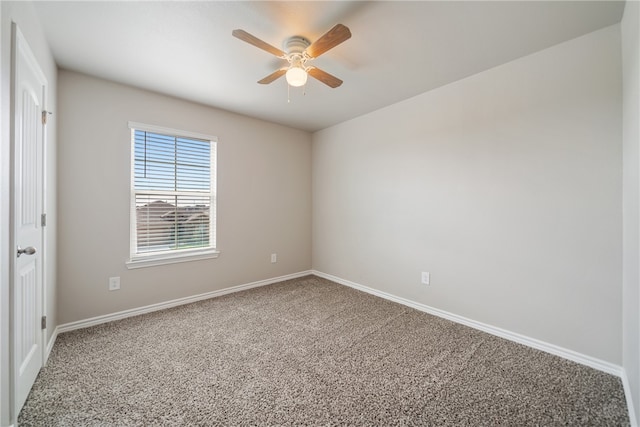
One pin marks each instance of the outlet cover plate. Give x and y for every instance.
(426, 277)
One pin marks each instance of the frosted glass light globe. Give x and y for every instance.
(296, 76)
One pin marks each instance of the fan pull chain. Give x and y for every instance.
(304, 92)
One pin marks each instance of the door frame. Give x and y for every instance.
(18, 38)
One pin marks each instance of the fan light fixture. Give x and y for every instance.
(296, 76)
(297, 52)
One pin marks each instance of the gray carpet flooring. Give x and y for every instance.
(309, 352)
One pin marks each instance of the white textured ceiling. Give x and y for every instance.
(398, 49)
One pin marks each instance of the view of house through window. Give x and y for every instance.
(173, 200)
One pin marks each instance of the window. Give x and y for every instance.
(173, 196)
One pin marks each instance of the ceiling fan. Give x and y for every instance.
(298, 51)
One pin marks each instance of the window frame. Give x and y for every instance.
(139, 260)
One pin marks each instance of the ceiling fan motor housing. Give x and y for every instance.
(295, 45)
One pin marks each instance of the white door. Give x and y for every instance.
(27, 205)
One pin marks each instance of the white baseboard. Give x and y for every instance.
(627, 392)
(168, 304)
(50, 344)
(583, 359)
(574, 356)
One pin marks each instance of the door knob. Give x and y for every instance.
(29, 250)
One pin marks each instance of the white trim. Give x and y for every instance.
(139, 260)
(173, 303)
(172, 132)
(574, 356)
(627, 393)
(52, 341)
(521, 339)
(43, 228)
(170, 258)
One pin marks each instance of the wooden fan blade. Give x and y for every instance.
(246, 37)
(324, 77)
(273, 76)
(329, 40)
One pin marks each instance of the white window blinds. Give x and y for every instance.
(173, 200)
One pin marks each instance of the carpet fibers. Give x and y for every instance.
(309, 352)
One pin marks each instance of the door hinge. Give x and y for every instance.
(43, 220)
(45, 114)
(43, 322)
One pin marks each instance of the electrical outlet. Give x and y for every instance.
(274, 258)
(426, 277)
(114, 283)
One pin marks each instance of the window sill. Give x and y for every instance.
(155, 260)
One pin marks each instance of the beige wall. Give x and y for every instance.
(631, 199)
(506, 186)
(264, 199)
(22, 13)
